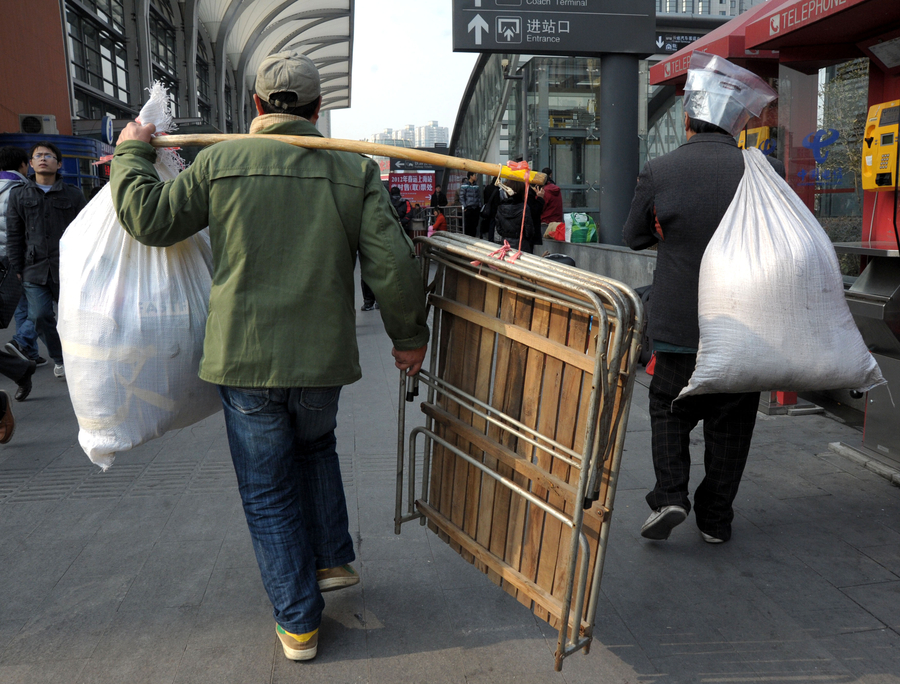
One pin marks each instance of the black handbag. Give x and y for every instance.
(10, 293)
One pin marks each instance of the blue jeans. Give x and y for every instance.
(283, 449)
(40, 313)
(26, 336)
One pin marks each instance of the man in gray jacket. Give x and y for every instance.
(679, 202)
(470, 198)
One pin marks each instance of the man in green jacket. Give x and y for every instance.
(286, 224)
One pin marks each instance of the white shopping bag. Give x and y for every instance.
(771, 299)
(132, 322)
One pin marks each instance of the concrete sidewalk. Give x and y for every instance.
(146, 573)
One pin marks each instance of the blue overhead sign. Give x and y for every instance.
(555, 27)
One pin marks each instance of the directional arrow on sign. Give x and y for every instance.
(660, 42)
(479, 25)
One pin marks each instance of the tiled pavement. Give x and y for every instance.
(145, 574)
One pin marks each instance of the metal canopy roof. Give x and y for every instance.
(246, 31)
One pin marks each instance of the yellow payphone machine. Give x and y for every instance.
(762, 138)
(879, 158)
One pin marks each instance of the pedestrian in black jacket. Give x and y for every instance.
(438, 199)
(509, 218)
(39, 212)
(679, 202)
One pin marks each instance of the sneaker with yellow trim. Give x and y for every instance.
(340, 577)
(298, 646)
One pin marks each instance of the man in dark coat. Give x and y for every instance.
(438, 198)
(38, 214)
(679, 201)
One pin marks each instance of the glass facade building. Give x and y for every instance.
(547, 110)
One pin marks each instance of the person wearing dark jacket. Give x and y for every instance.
(679, 202)
(489, 212)
(38, 214)
(400, 207)
(438, 199)
(509, 221)
(13, 174)
(470, 198)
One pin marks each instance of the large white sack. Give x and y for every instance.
(771, 299)
(132, 322)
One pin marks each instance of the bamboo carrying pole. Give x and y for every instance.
(317, 143)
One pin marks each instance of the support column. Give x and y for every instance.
(144, 67)
(524, 96)
(191, 25)
(543, 115)
(619, 143)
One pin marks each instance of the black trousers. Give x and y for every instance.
(471, 219)
(12, 367)
(728, 421)
(368, 295)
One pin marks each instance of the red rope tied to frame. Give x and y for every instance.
(502, 253)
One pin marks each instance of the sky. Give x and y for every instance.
(404, 68)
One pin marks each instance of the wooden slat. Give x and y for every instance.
(552, 404)
(515, 332)
(515, 396)
(458, 370)
(590, 529)
(478, 519)
(553, 573)
(492, 528)
(454, 359)
(520, 551)
(448, 286)
(473, 377)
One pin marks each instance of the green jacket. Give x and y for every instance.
(286, 224)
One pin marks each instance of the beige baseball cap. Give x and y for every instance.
(288, 72)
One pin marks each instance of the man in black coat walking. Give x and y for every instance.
(679, 201)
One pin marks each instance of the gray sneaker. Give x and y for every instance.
(709, 539)
(59, 370)
(661, 522)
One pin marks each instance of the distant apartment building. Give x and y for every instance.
(431, 135)
(386, 137)
(407, 133)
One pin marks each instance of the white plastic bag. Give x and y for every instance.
(771, 299)
(132, 322)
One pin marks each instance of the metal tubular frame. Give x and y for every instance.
(616, 320)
